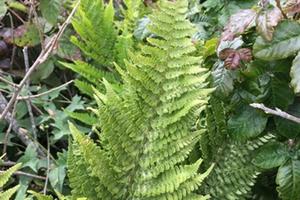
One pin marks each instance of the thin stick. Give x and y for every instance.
(20, 173)
(12, 59)
(16, 14)
(50, 46)
(278, 4)
(7, 163)
(28, 101)
(9, 129)
(20, 132)
(276, 112)
(8, 82)
(45, 93)
(48, 165)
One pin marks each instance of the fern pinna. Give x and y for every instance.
(147, 128)
(234, 174)
(103, 40)
(4, 177)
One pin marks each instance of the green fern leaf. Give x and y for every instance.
(234, 174)
(146, 129)
(6, 195)
(288, 180)
(4, 177)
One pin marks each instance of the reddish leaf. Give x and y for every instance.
(234, 57)
(245, 54)
(233, 60)
(238, 24)
(292, 7)
(266, 21)
(225, 53)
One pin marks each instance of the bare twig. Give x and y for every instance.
(8, 82)
(20, 173)
(17, 15)
(50, 46)
(28, 101)
(45, 93)
(12, 59)
(9, 130)
(48, 165)
(7, 163)
(20, 132)
(278, 4)
(276, 112)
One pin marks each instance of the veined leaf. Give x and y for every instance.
(222, 79)
(247, 123)
(285, 43)
(266, 21)
(288, 180)
(50, 10)
(239, 23)
(282, 95)
(295, 74)
(271, 155)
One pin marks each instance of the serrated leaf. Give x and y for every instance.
(285, 43)
(295, 74)
(29, 159)
(25, 35)
(247, 123)
(222, 80)
(39, 196)
(50, 10)
(281, 94)
(8, 193)
(288, 180)
(57, 177)
(4, 177)
(238, 24)
(266, 21)
(83, 117)
(271, 155)
(44, 71)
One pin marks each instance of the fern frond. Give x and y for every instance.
(82, 183)
(234, 174)
(4, 177)
(39, 196)
(84, 87)
(213, 141)
(90, 73)
(146, 129)
(95, 25)
(6, 195)
(83, 117)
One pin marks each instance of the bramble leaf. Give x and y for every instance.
(285, 43)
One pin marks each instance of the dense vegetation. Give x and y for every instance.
(150, 100)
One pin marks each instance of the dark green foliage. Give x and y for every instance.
(234, 175)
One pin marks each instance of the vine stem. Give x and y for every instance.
(276, 112)
(20, 173)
